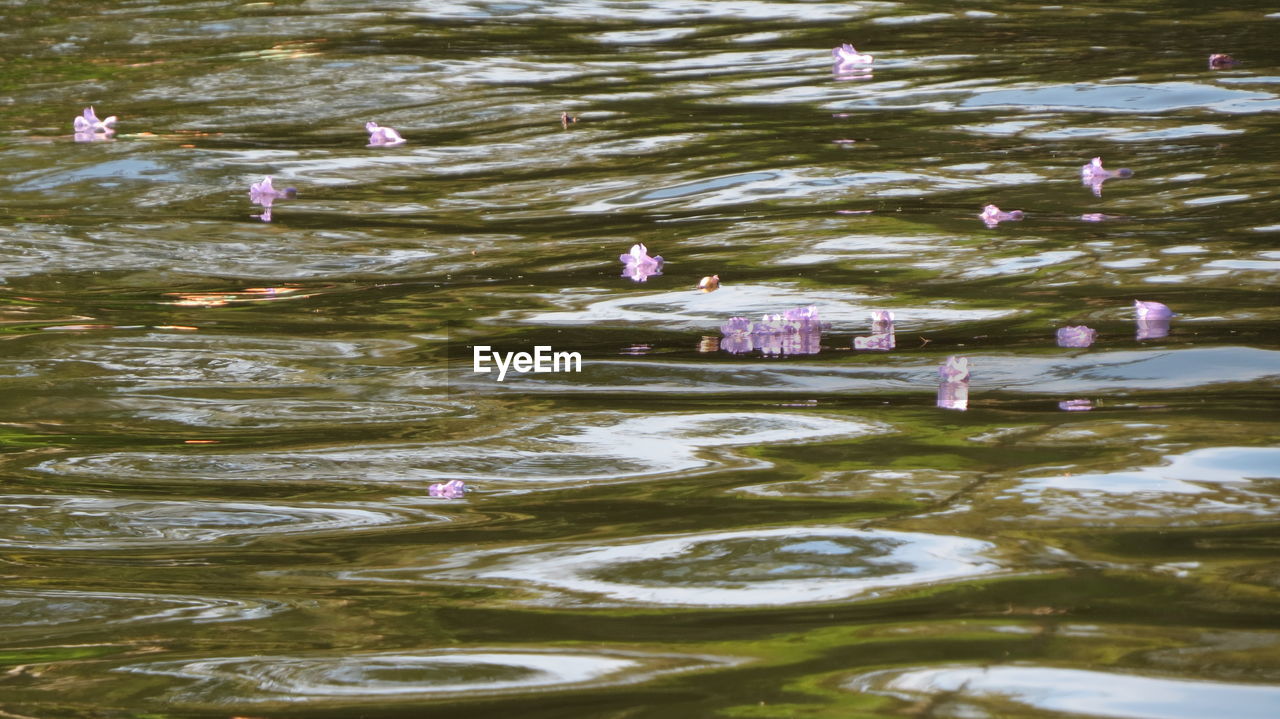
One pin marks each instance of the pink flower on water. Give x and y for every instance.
(382, 136)
(89, 122)
(638, 265)
(794, 332)
(882, 336)
(992, 215)
(1153, 319)
(1221, 61)
(850, 64)
(1075, 405)
(1151, 310)
(1094, 174)
(953, 385)
(265, 194)
(453, 489)
(1080, 336)
(847, 55)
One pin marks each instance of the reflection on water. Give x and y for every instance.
(47, 611)
(1074, 691)
(760, 567)
(219, 436)
(372, 677)
(48, 522)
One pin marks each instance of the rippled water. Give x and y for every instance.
(219, 432)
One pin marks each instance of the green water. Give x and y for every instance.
(218, 434)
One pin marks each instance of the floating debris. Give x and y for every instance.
(1221, 61)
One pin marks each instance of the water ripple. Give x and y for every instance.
(764, 567)
(374, 677)
(1072, 691)
(80, 523)
(62, 611)
(565, 449)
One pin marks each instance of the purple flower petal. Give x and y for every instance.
(802, 314)
(89, 122)
(954, 369)
(953, 384)
(638, 265)
(737, 343)
(265, 194)
(993, 216)
(1080, 336)
(876, 342)
(453, 489)
(1152, 310)
(1094, 174)
(794, 332)
(382, 136)
(847, 55)
(736, 325)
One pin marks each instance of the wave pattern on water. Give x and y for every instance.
(202, 413)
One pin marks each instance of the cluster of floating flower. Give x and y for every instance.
(88, 128)
(799, 332)
(853, 65)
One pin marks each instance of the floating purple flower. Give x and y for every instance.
(1075, 405)
(850, 64)
(992, 215)
(1222, 61)
(794, 332)
(1153, 319)
(638, 265)
(263, 193)
(1080, 336)
(882, 336)
(1094, 174)
(453, 489)
(89, 123)
(953, 385)
(847, 55)
(801, 314)
(1152, 310)
(877, 342)
(382, 136)
(737, 336)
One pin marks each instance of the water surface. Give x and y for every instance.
(218, 433)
